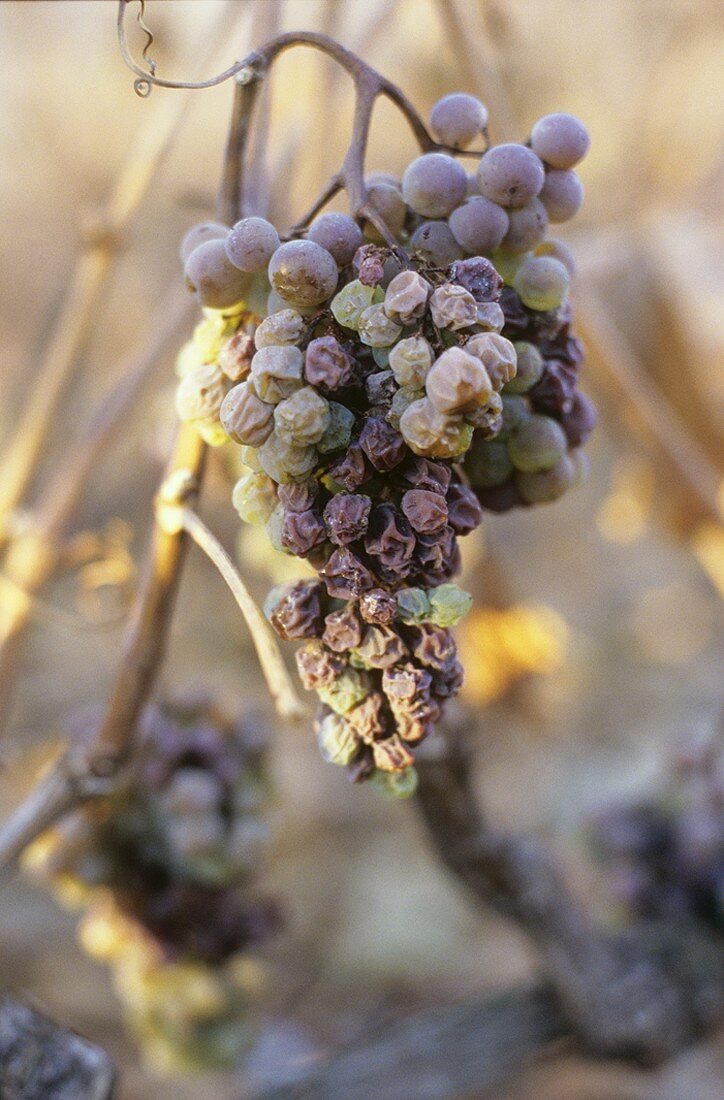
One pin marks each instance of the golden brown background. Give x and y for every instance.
(598, 643)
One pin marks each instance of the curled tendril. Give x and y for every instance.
(142, 88)
(149, 40)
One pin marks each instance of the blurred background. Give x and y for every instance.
(595, 650)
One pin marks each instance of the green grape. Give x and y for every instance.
(515, 413)
(546, 485)
(280, 329)
(338, 743)
(537, 444)
(381, 357)
(396, 784)
(351, 302)
(410, 360)
(302, 418)
(274, 527)
(487, 463)
(542, 283)
(276, 372)
(448, 604)
(403, 398)
(254, 497)
(376, 329)
(413, 606)
(458, 119)
(339, 429)
(303, 273)
(211, 431)
(510, 174)
(286, 461)
(217, 283)
(560, 139)
(434, 184)
(559, 250)
(507, 264)
(530, 368)
(251, 244)
(346, 692)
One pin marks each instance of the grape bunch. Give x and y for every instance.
(164, 869)
(665, 855)
(387, 378)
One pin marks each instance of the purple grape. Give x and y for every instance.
(251, 244)
(562, 194)
(457, 119)
(434, 241)
(200, 234)
(479, 225)
(561, 140)
(303, 273)
(434, 184)
(215, 280)
(510, 174)
(527, 227)
(339, 234)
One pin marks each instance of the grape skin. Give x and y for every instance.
(251, 244)
(339, 234)
(543, 486)
(434, 184)
(562, 194)
(537, 444)
(542, 282)
(200, 234)
(303, 273)
(510, 174)
(216, 281)
(560, 139)
(559, 250)
(436, 243)
(457, 119)
(527, 227)
(479, 225)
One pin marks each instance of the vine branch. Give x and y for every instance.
(175, 516)
(644, 995)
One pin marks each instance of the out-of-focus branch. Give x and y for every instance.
(32, 557)
(41, 1061)
(644, 995)
(104, 752)
(102, 240)
(650, 413)
(445, 1053)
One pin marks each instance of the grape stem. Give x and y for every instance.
(369, 84)
(174, 515)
